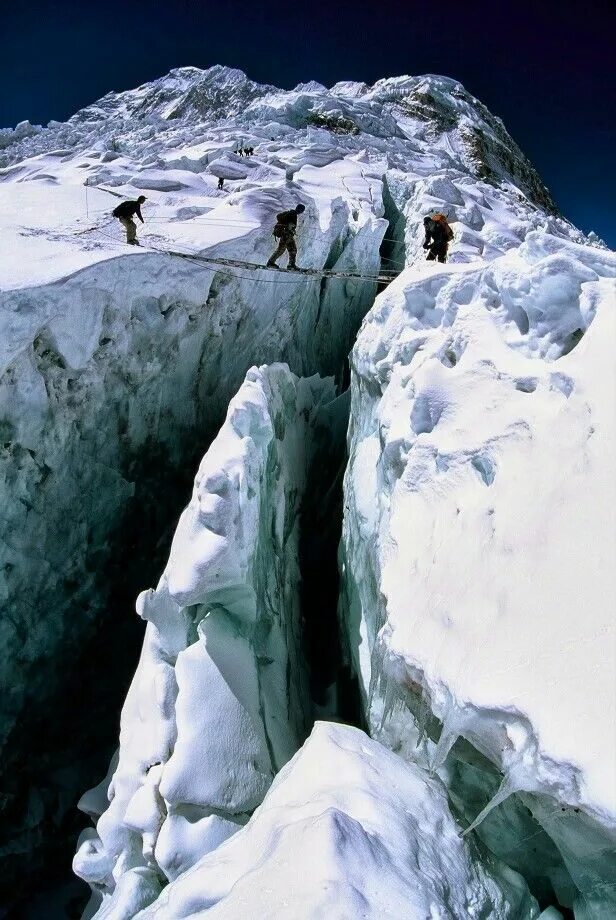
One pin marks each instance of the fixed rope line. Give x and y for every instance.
(384, 276)
(230, 273)
(207, 262)
(204, 266)
(219, 223)
(204, 218)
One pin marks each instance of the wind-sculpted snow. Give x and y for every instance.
(220, 699)
(382, 843)
(481, 458)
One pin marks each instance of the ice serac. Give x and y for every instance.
(382, 843)
(481, 456)
(220, 699)
(116, 369)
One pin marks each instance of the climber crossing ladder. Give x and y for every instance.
(385, 276)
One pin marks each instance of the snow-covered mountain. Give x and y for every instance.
(466, 626)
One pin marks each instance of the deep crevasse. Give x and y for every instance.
(220, 700)
(218, 705)
(115, 379)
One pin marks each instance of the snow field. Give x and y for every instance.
(380, 844)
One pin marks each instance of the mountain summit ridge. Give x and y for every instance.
(220, 94)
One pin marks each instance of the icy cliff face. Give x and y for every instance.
(481, 457)
(116, 371)
(471, 612)
(220, 699)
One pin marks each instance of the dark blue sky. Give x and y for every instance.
(546, 68)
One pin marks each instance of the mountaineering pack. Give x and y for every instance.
(441, 221)
(285, 221)
(129, 208)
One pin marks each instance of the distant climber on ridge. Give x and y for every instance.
(284, 231)
(438, 236)
(125, 212)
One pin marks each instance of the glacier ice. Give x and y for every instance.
(220, 700)
(478, 522)
(116, 372)
(490, 445)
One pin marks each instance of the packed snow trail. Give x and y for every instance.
(114, 374)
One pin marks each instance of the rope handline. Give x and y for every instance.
(309, 274)
(220, 223)
(206, 218)
(385, 275)
(209, 263)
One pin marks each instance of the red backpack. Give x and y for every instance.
(442, 220)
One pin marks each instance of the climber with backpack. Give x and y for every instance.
(438, 235)
(125, 212)
(284, 232)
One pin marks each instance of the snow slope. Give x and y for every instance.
(380, 844)
(478, 541)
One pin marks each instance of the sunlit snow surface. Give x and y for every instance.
(347, 830)
(479, 535)
(483, 457)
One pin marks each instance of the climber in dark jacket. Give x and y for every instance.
(125, 213)
(438, 236)
(284, 231)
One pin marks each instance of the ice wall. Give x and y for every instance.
(479, 530)
(113, 381)
(220, 699)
